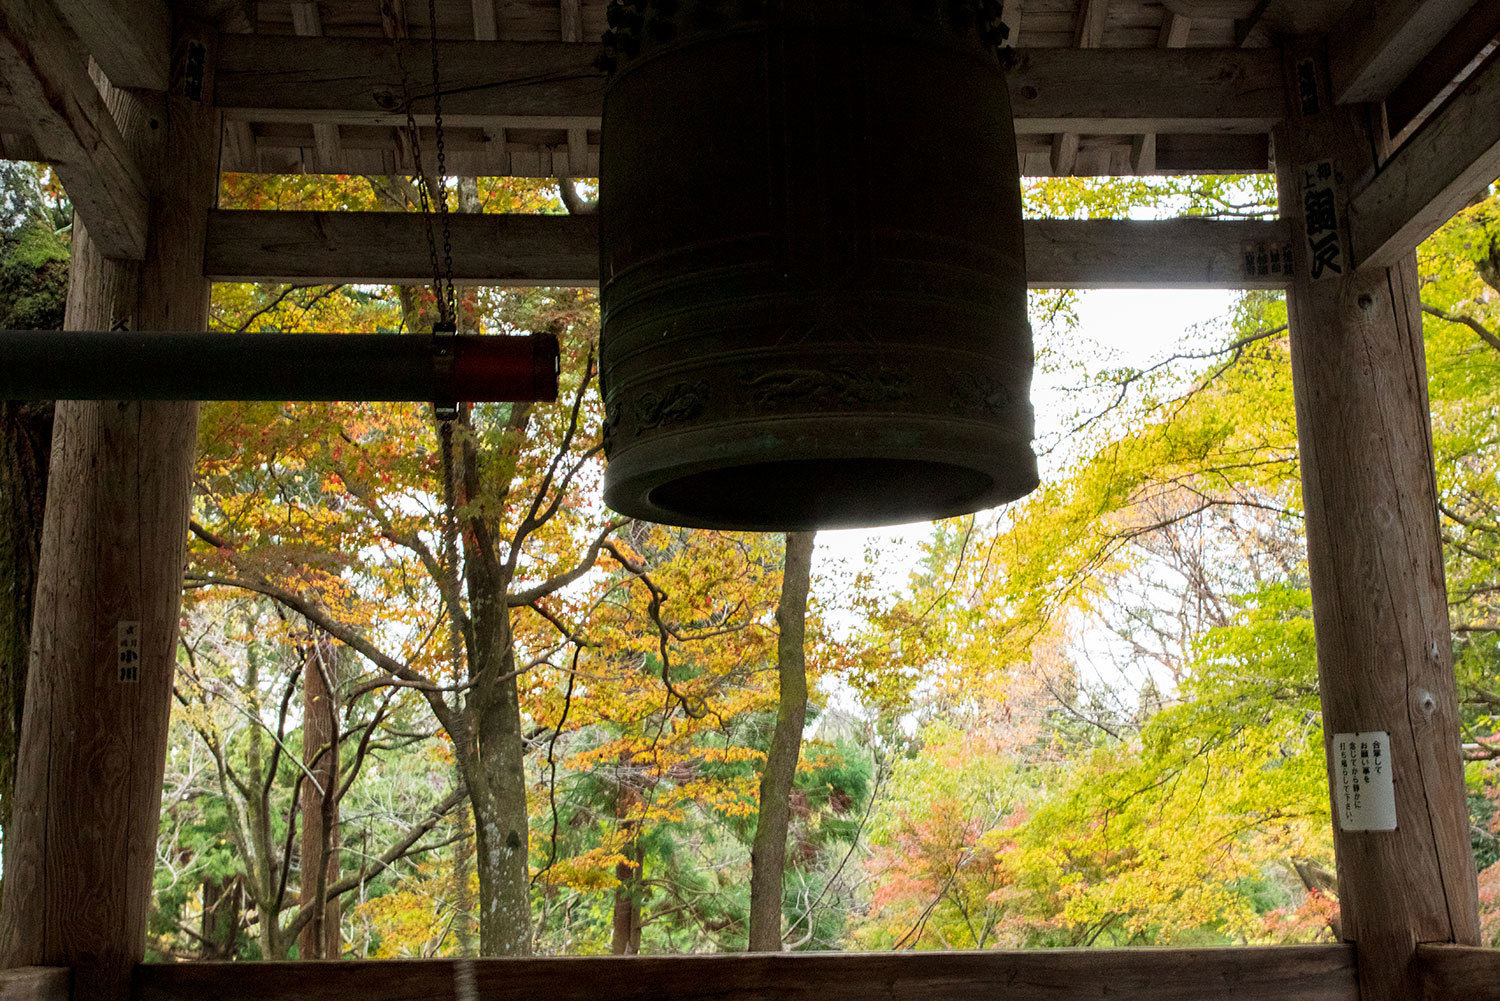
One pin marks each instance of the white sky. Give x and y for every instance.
(1135, 326)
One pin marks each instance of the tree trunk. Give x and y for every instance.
(625, 938)
(25, 444)
(219, 926)
(768, 852)
(463, 894)
(320, 807)
(81, 852)
(500, 818)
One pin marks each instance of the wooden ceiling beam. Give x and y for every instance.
(531, 250)
(44, 67)
(1452, 157)
(131, 40)
(555, 84)
(1376, 45)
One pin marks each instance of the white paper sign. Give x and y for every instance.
(1364, 793)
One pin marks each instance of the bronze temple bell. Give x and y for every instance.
(814, 277)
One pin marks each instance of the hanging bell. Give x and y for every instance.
(814, 281)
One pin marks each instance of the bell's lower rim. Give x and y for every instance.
(744, 488)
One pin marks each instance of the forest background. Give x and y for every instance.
(433, 698)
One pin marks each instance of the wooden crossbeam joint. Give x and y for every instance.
(43, 65)
(1453, 156)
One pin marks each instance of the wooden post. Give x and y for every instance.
(80, 857)
(1385, 661)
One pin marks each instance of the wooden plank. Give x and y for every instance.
(522, 250)
(356, 80)
(131, 40)
(1375, 558)
(1376, 45)
(1287, 973)
(36, 983)
(1459, 971)
(1447, 161)
(44, 68)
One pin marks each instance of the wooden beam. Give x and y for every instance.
(1458, 54)
(1376, 45)
(556, 84)
(307, 23)
(44, 68)
(1286, 973)
(1452, 157)
(131, 40)
(1459, 971)
(1375, 559)
(36, 983)
(523, 250)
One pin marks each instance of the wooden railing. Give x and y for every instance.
(1281, 973)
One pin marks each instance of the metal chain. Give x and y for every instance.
(447, 414)
(428, 191)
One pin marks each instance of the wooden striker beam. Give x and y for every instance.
(1385, 659)
(81, 850)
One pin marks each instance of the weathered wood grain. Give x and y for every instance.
(356, 80)
(45, 69)
(1375, 45)
(1454, 972)
(1435, 76)
(522, 250)
(131, 40)
(1295, 973)
(1375, 561)
(36, 983)
(1452, 157)
(82, 847)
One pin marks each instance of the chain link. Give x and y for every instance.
(432, 191)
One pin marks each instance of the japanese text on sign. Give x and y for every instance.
(128, 635)
(1325, 248)
(1364, 794)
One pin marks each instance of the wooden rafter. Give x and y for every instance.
(129, 39)
(555, 84)
(1447, 161)
(520, 250)
(1089, 35)
(1376, 45)
(307, 22)
(1175, 29)
(43, 65)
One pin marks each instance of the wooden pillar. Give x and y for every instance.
(81, 854)
(1385, 660)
